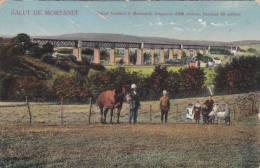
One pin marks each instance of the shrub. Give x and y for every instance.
(237, 76)
(191, 80)
(252, 50)
(71, 89)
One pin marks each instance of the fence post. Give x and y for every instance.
(254, 104)
(234, 112)
(29, 111)
(61, 110)
(150, 112)
(89, 116)
(177, 108)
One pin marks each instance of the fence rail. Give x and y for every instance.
(55, 114)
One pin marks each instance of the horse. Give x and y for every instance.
(111, 99)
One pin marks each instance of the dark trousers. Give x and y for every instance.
(164, 114)
(133, 115)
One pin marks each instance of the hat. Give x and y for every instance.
(164, 92)
(133, 86)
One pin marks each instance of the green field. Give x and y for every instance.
(178, 143)
(128, 146)
(49, 113)
(147, 70)
(255, 46)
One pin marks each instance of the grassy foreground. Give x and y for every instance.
(124, 145)
(146, 144)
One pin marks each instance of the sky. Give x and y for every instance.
(96, 17)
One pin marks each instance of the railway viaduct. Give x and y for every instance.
(174, 47)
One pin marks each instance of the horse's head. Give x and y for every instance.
(120, 91)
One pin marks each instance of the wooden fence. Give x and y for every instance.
(240, 105)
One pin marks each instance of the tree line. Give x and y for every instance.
(17, 79)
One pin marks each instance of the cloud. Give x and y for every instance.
(193, 29)
(178, 29)
(159, 23)
(101, 16)
(202, 22)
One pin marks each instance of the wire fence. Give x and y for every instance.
(53, 113)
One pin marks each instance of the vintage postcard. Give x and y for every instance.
(90, 83)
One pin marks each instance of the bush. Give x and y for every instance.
(191, 81)
(238, 76)
(252, 50)
(70, 89)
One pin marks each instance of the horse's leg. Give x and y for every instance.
(118, 114)
(111, 115)
(105, 115)
(101, 113)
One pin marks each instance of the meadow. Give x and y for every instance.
(48, 113)
(125, 145)
(149, 143)
(148, 70)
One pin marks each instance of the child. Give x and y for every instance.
(197, 110)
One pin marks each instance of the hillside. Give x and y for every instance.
(138, 39)
(28, 66)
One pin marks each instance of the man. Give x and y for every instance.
(134, 104)
(164, 106)
(227, 117)
(204, 114)
(209, 105)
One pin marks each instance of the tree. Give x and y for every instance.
(238, 76)
(191, 80)
(199, 58)
(104, 55)
(31, 86)
(47, 48)
(252, 50)
(67, 87)
(23, 40)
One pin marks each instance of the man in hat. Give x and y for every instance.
(164, 106)
(134, 104)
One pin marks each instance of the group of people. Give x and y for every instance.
(134, 104)
(205, 110)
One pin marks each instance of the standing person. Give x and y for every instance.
(204, 114)
(209, 105)
(164, 106)
(134, 104)
(197, 110)
(227, 115)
